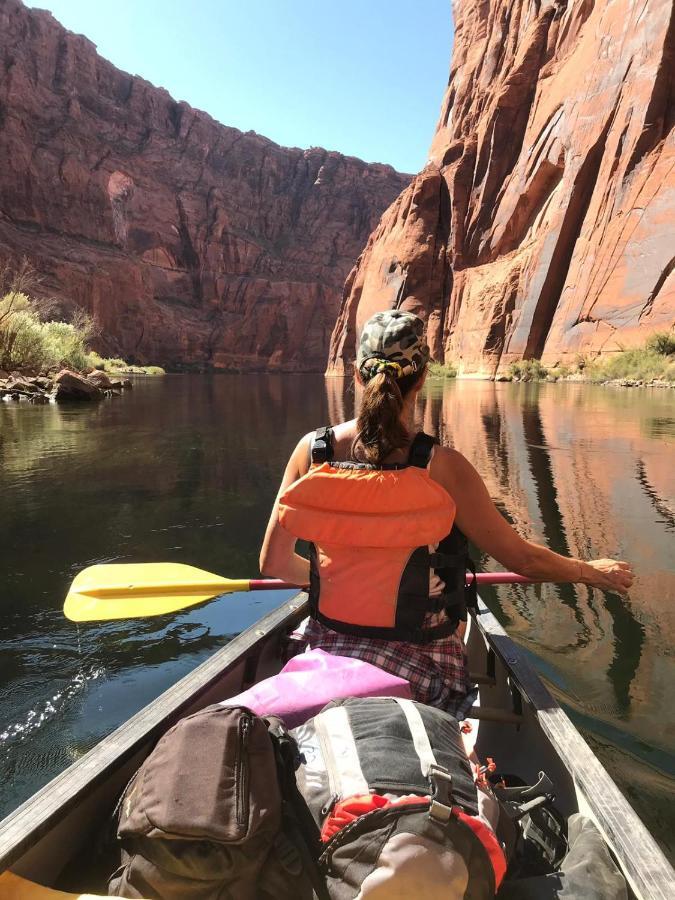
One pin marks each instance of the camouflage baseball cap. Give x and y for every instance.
(392, 340)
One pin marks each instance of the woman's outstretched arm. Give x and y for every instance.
(278, 558)
(483, 524)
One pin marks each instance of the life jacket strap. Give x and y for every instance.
(421, 449)
(440, 560)
(321, 450)
(397, 633)
(419, 455)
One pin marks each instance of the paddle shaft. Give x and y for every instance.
(274, 584)
(129, 590)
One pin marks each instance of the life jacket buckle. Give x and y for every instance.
(322, 445)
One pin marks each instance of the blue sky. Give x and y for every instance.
(364, 77)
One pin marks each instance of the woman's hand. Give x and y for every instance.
(608, 575)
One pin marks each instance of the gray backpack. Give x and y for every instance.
(392, 747)
(213, 813)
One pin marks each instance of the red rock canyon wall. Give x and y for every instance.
(190, 242)
(543, 225)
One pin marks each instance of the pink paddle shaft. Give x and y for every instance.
(273, 584)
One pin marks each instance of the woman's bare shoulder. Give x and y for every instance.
(448, 456)
(450, 467)
(343, 439)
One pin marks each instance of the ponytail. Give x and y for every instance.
(380, 430)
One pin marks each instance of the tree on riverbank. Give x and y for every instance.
(27, 342)
(30, 338)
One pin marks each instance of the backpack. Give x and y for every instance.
(214, 812)
(393, 748)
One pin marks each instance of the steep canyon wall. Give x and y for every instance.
(543, 225)
(191, 243)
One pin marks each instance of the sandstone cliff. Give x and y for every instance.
(543, 225)
(190, 242)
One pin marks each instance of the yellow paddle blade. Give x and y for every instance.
(132, 590)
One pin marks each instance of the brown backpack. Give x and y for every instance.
(214, 812)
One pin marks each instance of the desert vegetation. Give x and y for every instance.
(442, 370)
(655, 361)
(652, 363)
(33, 336)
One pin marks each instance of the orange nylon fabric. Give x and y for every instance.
(361, 588)
(401, 508)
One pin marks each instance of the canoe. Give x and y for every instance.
(47, 839)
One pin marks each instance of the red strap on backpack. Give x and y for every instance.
(345, 811)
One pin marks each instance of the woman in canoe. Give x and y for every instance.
(386, 510)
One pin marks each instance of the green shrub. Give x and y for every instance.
(114, 364)
(560, 371)
(528, 369)
(94, 361)
(21, 339)
(442, 370)
(64, 345)
(662, 342)
(28, 342)
(637, 365)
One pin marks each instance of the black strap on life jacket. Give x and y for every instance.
(421, 449)
(451, 560)
(321, 449)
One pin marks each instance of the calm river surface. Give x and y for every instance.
(185, 469)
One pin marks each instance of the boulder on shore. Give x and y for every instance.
(71, 386)
(100, 380)
(22, 385)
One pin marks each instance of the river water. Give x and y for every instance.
(184, 468)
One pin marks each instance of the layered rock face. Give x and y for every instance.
(543, 225)
(191, 243)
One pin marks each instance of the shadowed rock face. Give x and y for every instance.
(191, 243)
(544, 222)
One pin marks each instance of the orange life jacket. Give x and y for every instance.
(372, 532)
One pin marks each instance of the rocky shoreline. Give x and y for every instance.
(64, 386)
(581, 379)
(67, 385)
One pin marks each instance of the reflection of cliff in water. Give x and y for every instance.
(585, 471)
(577, 469)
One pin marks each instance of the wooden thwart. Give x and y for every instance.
(490, 714)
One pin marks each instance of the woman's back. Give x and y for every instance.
(391, 367)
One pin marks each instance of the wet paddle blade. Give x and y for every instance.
(134, 590)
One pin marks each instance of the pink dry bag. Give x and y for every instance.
(311, 680)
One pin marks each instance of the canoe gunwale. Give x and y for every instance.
(641, 859)
(25, 826)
